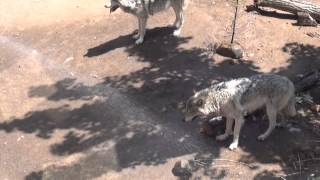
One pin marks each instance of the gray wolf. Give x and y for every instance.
(142, 9)
(236, 98)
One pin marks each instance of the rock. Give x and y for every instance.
(230, 50)
(315, 108)
(213, 127)
(182, 169)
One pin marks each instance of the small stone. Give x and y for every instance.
(68, 59)
(302, 113)
(20, 138)
(94, 76)
(181, 105)
(164, 109)
(293, 129)
(299, 75)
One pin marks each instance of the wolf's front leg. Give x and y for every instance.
(142, 29)
(228, 130)
(236, 133)
(179, 19)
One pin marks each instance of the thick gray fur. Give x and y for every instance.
(238, 97)
(142, 9)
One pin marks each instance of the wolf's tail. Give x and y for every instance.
(185, 4)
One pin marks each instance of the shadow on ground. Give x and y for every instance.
(135, 120)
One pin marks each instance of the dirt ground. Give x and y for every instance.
(79, 100)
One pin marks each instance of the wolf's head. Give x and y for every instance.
(197, 106)
(112, 5)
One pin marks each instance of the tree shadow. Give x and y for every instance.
(135, 120)
(152, 36)
(122, 119)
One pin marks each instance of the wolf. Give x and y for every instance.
(237, 98)
(142, 9)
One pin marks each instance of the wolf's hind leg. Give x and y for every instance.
(179, 18)
(272, 116)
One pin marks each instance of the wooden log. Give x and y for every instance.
(304, 19)
(292, 6)
(308, 81)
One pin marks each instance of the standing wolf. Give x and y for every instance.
(236, 98)
(143, 8)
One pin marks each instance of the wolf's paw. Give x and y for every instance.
(261, 137)
(177, 32)
(139, 41)
(233, 146)
(222, 137)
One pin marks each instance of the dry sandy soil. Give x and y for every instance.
(80, 101)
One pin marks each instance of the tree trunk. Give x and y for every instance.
(292, 6)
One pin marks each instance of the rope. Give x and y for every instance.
(234, 22)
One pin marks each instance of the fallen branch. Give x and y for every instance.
(306, 160)
(307, 81)
(308, 13)
(228, 160)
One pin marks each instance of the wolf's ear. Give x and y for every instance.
(199, 102)
(194, 91)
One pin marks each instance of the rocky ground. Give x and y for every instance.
(79, 100)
